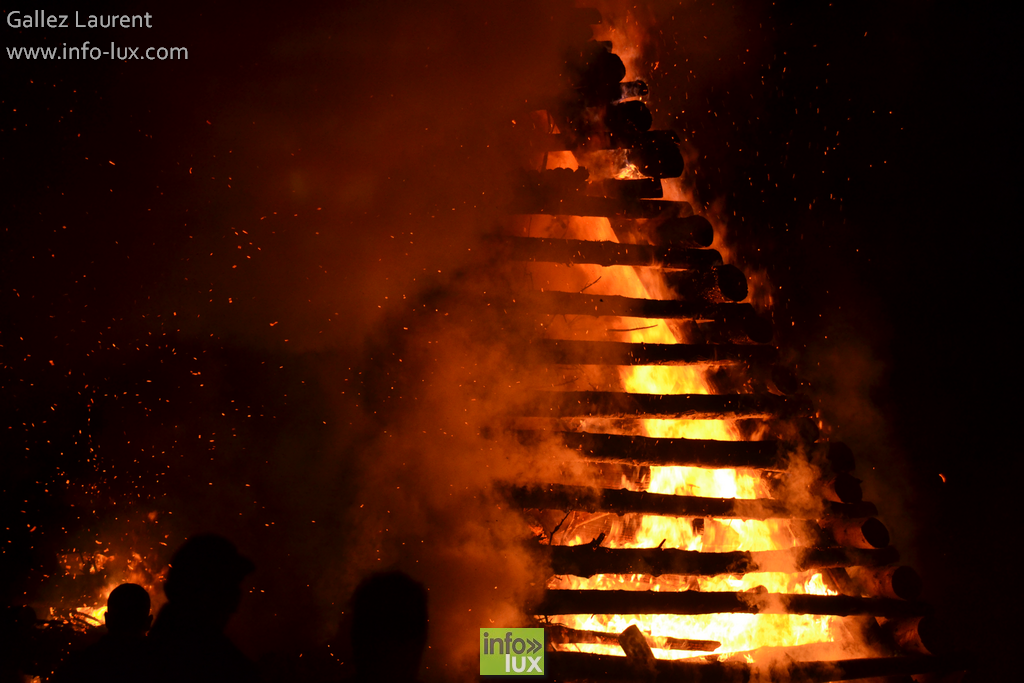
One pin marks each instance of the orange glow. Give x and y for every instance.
(738, 633)
(89, 578)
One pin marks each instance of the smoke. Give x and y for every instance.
(252, 317)
(242, 301)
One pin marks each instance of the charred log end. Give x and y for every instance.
(732, 283)
(657, 155)
(843, 488)
(759, 330)
(860, 533)
(785, 380)
(875, 533)
(840, 457)
(901, 582)
(689, 230)
(629, 118)
(637, 650)
(921, 635)
(906, 583)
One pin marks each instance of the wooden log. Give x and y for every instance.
(840, 487)
(888, 582)
(859, 533)
(785, 380)
(699, 602)
(628, 118)
(607, 253)
(565, 497)
(571, 352)
(576, 666)
(717, 284)
(628, 189)
(837, 455)
(582, 205)
(638, 652)
(731, 328)
(643, 450)
(920, 635)
(570, 303)
(656, 153)
(586, 560)
(663, 406)
(563, 635)
(686, 230)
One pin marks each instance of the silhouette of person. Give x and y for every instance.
(389, 628)
(203, 589)
(121, 655)
(18, 644)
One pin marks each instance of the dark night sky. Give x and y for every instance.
(159, 216)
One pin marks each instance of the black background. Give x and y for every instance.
(889, 246)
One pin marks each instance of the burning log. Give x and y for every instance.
(656, 153)
(697, 602)
(859, 533)
(570, 303)
(568, 666)
(888, 582)
(842, 488)
(607, 253)
(663, 406)
(839, 456)
(644, 450)
(738, 328)
(695, 230)
(586, 560)
(570, 352)
(717, 284)
(565, 497)
(564, 635)
(638, 652)
(581, 205)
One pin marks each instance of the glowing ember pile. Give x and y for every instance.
(79, 595)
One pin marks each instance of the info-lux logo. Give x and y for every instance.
(512, 652)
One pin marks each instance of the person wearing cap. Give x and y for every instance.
(122, 654)
(203, 588)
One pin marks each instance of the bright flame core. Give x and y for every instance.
(737, 633)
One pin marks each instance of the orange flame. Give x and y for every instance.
(737, 633)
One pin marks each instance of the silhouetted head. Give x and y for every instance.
(205, 579)
(389, 626)
(128, 610)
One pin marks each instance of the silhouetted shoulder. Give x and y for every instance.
(203, 591)
(112, 659)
